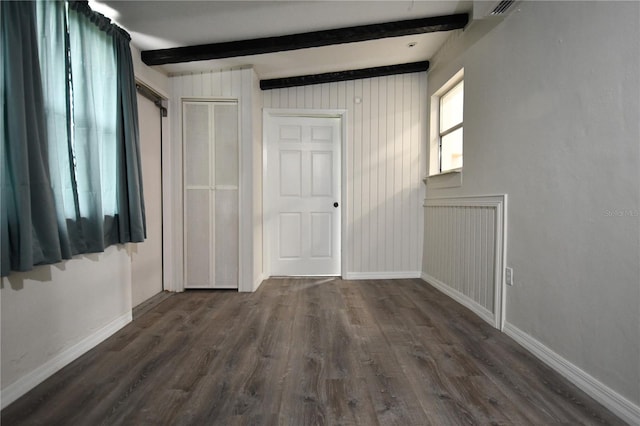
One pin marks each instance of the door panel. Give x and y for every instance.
(322, 133)
(290, 235)
(321, 235)
(322, 174)
(226, 223)
(303, 183)
(290, 173)
(197, 237)
(196, 152)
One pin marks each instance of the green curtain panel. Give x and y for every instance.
(52, 44)
(4, 236)
(71, 175)
(132, 223)
(28, 207)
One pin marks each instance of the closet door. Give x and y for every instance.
(210, 169)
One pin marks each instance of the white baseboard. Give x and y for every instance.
(258, 282)
(29, 381)
(618, 404)
(466, 301)
(382, 275)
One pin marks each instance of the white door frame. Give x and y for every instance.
(168, 239)
(267, 115)
(155, 103)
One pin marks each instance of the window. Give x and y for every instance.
(450, 128)
(71, 178)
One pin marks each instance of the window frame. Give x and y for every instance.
(450, 86)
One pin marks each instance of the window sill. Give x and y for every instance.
(449, 179)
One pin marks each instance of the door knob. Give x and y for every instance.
(335, 204)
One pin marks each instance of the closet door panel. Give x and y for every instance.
(226, 244)
(197, 135)
(198, 253)
(226, 145)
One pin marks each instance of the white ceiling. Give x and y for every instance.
(165, 24)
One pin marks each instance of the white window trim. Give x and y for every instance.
(449, 178)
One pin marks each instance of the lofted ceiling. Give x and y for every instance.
(168, 24)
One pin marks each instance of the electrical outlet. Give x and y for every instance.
(508, 275)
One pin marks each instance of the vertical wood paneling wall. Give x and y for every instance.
(236, 84)
(384, 167)
(463, 251)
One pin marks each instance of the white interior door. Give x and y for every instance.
(146, 258)
(303, 211)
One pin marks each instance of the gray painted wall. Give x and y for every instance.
(552, 119)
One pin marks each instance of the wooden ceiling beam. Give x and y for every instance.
(331, 77)
(259, 46)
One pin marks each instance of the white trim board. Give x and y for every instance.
(32, 379)
(618, 404)
(381, 275)
(465, 301)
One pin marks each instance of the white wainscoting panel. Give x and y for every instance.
(465, 250)
(384, 166)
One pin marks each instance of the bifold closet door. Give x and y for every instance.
(210, 142)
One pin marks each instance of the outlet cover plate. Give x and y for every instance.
(508, 275)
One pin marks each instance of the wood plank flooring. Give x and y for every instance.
(308, 352)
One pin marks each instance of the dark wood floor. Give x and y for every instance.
(308, 352)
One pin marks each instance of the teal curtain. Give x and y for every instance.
(52, 46)
(71, 176)
(29, 226)
(94, 86)
(4, 236)
(132, 223)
